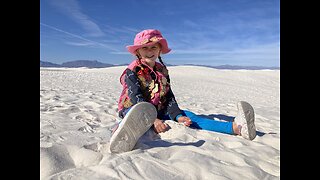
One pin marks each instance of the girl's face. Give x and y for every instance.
(149, 53)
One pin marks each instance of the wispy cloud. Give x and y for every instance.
(86, 44)
(208, 37)
(259, 49)
(72, 9)
(226, 30)
(87, 41)
(239, 32)
(268, 54)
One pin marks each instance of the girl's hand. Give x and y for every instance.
(185, 120)
(160, 126)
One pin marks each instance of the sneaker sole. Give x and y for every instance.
(249, 115)
(137, 121)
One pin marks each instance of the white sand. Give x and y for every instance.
(78, 108)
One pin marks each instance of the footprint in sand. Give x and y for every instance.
(58, 158)
(101, 147)
(86, 129)
(70, 109)
(54, 159)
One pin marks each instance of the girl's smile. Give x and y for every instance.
(150, 56)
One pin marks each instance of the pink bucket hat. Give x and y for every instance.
(146, 38)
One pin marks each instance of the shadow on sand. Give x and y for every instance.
(162, 143)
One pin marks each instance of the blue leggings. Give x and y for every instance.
(199, 122)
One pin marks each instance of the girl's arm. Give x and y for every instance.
(175, 112)
(173, 108)
(134, 91)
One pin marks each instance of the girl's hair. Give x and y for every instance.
(160, 59)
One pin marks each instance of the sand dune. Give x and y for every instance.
(78, 108)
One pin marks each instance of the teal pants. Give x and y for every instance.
(199, 122)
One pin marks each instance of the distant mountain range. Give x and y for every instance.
(97, 64)
(77, 63)
(226, 66)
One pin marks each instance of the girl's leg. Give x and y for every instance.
(118, 123)
(209, 124)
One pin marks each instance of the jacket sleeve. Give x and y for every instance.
(172, 108)
(134, 91)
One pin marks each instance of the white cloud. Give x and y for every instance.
(86, 41)
(72, 9)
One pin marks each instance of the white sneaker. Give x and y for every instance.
(136, 122)
(245, 118)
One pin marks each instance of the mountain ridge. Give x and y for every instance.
(97, 64)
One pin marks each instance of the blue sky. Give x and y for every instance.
(207, 32)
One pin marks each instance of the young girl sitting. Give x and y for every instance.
(146, 80)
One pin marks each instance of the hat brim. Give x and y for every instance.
(164, 47)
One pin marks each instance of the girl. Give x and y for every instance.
(146, 80)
